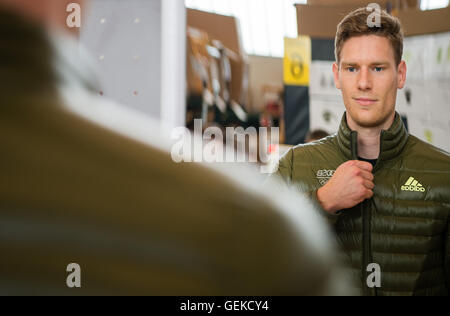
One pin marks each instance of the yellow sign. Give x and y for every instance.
(297, 60)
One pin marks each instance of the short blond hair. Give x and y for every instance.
(355, 24)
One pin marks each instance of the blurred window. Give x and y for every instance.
(433, 4)
(264, 23)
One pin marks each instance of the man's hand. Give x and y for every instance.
(351, 184)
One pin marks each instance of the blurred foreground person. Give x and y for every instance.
(73, 190)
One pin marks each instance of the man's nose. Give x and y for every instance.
(364, 79)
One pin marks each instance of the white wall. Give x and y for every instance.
(127, 43)
(428, 83)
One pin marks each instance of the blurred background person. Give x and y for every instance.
(314, 135)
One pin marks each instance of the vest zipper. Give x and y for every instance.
(375, 169)
(366, 219)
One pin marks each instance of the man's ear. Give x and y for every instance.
(401, 73)
(336, 76)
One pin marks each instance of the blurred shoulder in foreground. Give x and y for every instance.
(88, 182)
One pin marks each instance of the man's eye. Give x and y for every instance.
(378, 69)
(351, 69)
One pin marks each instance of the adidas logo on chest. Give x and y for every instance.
(413, 185)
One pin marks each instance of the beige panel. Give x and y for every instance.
(264, 71)
(320, 21)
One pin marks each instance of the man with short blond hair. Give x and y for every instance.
(386, 193)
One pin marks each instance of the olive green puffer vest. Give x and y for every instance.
(404, 228)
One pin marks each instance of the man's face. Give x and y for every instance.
(369, 78)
